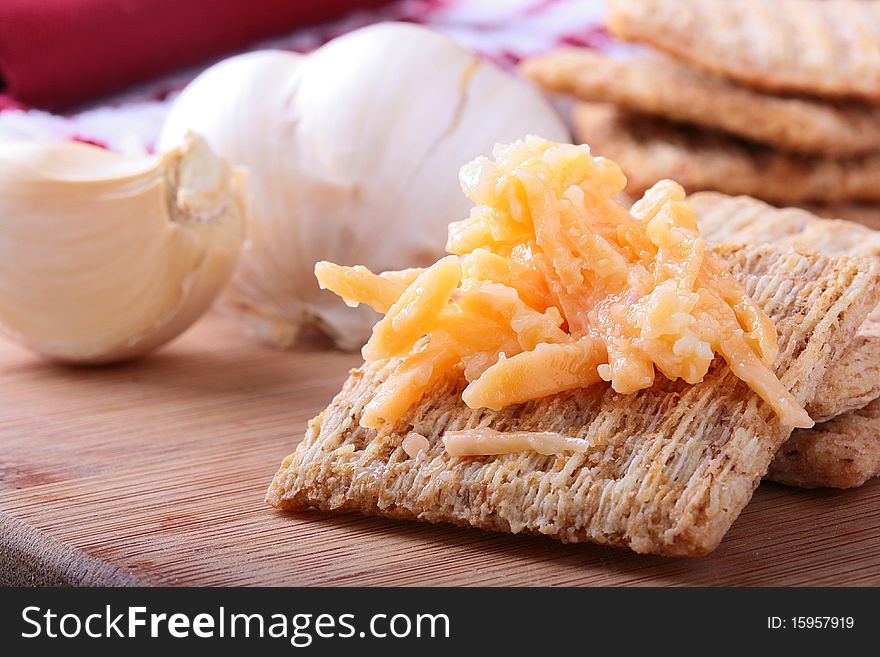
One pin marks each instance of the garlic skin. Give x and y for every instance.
(353, 155)
(104, 257)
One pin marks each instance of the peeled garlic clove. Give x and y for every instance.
(353, 155)
(104, 257)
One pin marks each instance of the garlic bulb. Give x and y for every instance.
(104, 257)
(353, 155)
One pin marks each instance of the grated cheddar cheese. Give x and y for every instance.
(552, 285)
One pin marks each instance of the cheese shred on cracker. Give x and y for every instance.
(552, 285)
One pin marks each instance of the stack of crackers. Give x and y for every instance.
(776, 100)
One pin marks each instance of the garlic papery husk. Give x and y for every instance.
(104, 257)
(353, 155)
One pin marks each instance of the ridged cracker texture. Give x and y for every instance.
(652, 83)
(725, 218)
(816, 47)
(649, 149)
(845, 451)
(842, 453)
(672, 467)
(854, 380)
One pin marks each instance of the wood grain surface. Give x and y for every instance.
(154, 473)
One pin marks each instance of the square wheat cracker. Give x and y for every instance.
(649, 149)
(673, 465)
(816, 47)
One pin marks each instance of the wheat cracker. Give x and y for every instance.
(649, 149)
(673, 465)
(816, 47)
(652, 83)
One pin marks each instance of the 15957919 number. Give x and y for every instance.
(811, 623)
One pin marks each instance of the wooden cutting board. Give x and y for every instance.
(154, 473)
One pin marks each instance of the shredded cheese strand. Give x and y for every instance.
(488, 442)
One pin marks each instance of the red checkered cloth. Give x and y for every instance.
(56, 52)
